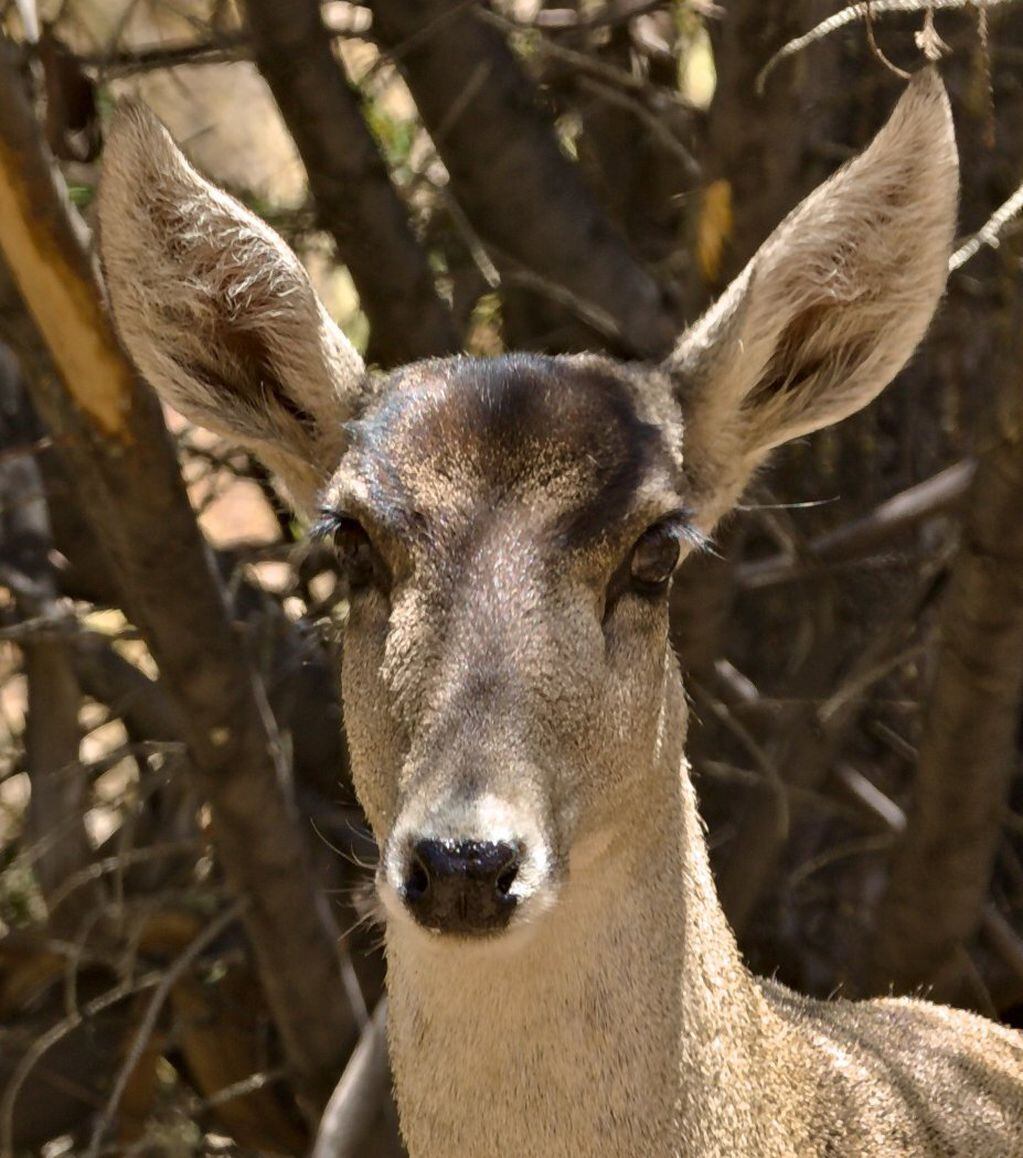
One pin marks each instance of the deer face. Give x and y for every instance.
(510, 527)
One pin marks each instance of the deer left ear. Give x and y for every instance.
(830, 307)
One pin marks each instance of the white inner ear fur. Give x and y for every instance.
(833, 303)
(217, 312)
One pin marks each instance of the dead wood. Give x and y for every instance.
(114, 443)
(941, 869)
(516, 187)
(355, 200)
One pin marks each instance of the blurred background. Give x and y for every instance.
(187, 961)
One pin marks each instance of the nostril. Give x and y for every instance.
(507, 877)
(417, 883)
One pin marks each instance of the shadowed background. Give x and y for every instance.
(185, 965)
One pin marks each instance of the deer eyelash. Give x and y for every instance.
(328, 524)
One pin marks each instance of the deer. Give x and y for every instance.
(561, 977)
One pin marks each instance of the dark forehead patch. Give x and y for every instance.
(515, 425)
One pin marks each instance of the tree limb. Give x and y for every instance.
(355, 200)
(853, 540)
(941, 870)
(518, 190)
(112, 436)
(55, 819)
(851, 14)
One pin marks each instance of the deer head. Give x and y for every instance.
(511, 526)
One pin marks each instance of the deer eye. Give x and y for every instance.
(655, 555)
(359, 559)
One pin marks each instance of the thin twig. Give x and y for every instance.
(126, 62)
(226, 47)
(486, 255)
(177, 970)
(876, 49)
(591, 313)
(870, 799)
(928, 40)
(773, 777)
(243, 1087)
(61, 627)
(584, 63)
(613, 15)
(657, 127)
(850, 15)
(129, 856)
(424, 33)
(54, 1034)
(989, 232)
(475, 81)
(855, 540)
(861, 846)
(855, 687)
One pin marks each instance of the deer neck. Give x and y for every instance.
(621, 1023)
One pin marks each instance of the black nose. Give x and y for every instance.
(462, 886)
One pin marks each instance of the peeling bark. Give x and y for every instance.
(111, 434)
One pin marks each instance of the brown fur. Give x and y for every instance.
(506, 680)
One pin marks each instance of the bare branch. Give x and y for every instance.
(46, 1041)
(807, 755)
(854, 540)
(178, 968)
(854, 13)
(876, 49)
(657, 128)
(571, 18)
(989, 233)
(355, 200)
(521, 194)
(126, 62)
(870, 798)
(938, 881)
(99, 415)
(58, 799)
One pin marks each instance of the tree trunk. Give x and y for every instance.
(111, 433)
(517, 188)
(355, 200)
(941, 870)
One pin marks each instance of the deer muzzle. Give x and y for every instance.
(471, 870)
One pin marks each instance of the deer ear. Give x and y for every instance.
(217, 312)
(830, 307)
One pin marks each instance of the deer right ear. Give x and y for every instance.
(217, 312)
